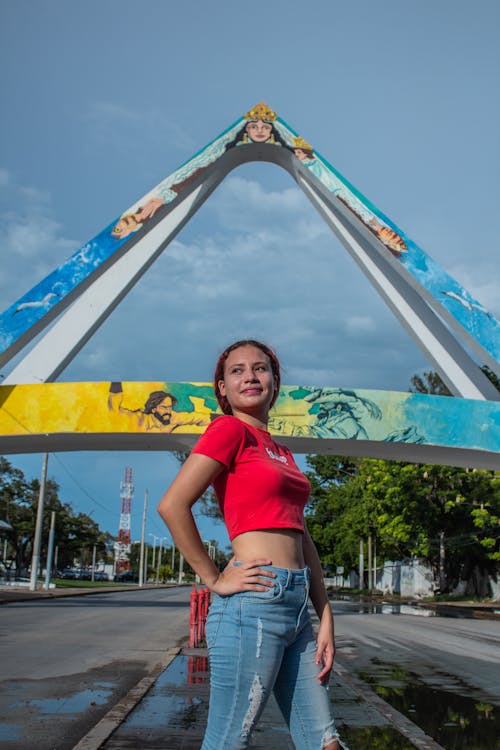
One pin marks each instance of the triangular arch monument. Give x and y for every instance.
(443, 318)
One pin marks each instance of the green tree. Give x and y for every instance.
(444, 515)
(430, 382)
(75, 534)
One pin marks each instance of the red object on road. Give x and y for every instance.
(198, 610)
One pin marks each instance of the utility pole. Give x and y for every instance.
(50, 550)
(143, 532)
(93, 562)
(37, 542)
(159, 562)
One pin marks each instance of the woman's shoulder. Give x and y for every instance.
(228, 424)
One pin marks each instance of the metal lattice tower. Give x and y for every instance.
(122, 546)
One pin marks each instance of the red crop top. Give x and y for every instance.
(261, 486)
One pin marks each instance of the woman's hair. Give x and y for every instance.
(221, 363)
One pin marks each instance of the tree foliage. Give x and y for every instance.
(76, 534)
(408, 509)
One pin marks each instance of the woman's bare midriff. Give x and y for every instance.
(282, 546)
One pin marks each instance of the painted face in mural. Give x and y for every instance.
(301, 154)
(163, 412)
(125, 226)
(259, 131)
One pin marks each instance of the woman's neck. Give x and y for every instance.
(254, 420)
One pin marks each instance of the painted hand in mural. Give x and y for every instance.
(130, 223)
(341, 413)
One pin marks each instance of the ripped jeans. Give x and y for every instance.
(263, 641)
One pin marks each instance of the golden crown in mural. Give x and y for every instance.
(261, 112)
(301, 143)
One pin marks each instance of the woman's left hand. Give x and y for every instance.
(325, 651)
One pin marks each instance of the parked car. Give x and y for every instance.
(100, 575)
(70, 573)
(126, 576)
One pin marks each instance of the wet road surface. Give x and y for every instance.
(66, 662)
(440, 672)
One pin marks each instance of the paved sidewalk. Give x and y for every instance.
(172, 715)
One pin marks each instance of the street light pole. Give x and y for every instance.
(162, 539)
(154, 547)
(143, 531)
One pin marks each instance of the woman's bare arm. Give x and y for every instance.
(326, 639)
(175, 507)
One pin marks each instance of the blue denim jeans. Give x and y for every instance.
(261, 642)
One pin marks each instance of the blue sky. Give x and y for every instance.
(101, 100)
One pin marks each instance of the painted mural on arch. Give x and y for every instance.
(257, 126)
(149, 408)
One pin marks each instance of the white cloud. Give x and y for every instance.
(130, 130)
(32, 242)
(277, 275)
(360, 323)
(4, 177)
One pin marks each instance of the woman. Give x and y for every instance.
(259, 632)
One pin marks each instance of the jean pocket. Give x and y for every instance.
(214, 619)
(272, 594)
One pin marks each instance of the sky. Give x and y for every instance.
(102, 100)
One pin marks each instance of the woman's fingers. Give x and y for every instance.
(324, 656)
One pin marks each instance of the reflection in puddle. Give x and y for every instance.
(197, 669)
(355, 605)
(454, 721)
(170, 703)
(376, 738)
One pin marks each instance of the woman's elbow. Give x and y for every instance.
(164, 508)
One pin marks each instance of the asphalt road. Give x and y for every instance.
(65, 662)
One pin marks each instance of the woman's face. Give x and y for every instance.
(248, 383)
(259, 131)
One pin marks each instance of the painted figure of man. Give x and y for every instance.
(158, 414)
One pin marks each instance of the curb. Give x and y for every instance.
(11, 596)
(94, 739)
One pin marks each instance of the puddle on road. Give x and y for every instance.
(72, 704)
(351, 605)
(380, 608)
(454, 721)
(9, 732)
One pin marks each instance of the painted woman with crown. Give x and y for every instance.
(259, 127)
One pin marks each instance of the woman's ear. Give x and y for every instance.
(222, 387)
